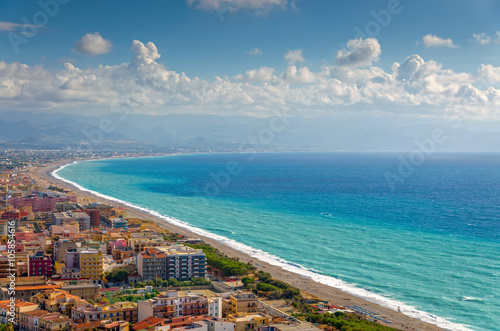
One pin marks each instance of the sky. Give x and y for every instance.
(252, 57)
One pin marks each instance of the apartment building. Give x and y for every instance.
(115, 312)
(248, 321)
(119, 223)
(95, 217)
(243, 302)
(173, 305)
(91, 264)
(39, 265)
(151, 264)
(183, 262)
(82, 218)
(139, 241)
(215, 307)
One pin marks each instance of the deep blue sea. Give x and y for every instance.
(425, 237)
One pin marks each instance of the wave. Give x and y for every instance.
(284, 264)
(471, 299)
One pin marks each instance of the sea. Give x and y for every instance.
(416, 231)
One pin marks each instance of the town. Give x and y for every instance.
(71, 263)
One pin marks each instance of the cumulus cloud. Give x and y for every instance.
(413, 86)
(294, 56)
(491, 73)
(435, 41)
(359, 52)
(256, 51)
(257, 6)
(263, 74)
(481, 38)
(298, 76)
(93, 44)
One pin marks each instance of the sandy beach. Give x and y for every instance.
(333, 295)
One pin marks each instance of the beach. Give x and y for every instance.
(333, 295)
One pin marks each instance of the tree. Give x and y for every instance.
(173, 282)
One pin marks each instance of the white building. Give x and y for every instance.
(215, 307)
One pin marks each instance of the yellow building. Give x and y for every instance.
(58, 267)
(251, 321)
(91, 264)
(243, 302)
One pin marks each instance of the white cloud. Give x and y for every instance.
(263, 74)
(413, 86)
(294, 56)
(300, 76)
(257, 6)
(256, 51)
(435, 41)
(359, 52)
(498, 38)
(8, 26)
(93, 44)
(491, 73)
(481, 38)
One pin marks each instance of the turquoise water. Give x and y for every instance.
(429, 243)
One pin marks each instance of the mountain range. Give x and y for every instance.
(31, 130)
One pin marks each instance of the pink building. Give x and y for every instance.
(26, 236)
(39, 265)
(40, 204)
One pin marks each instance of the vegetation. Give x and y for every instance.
(247, 281)
(171, 236)
(343, 322)
(55, 188)
(117, 275)
(6, 327)
(277, 289)
(228, 265)
(196, 281)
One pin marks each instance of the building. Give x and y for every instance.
(248, 321)
(97, 312)
(172, 305)
(83, 289)
(32, 320)
(95, 217)
(56, 300)
(19, 308)
(243, 302)
(151, 264)
(39, 265)
(119, 223)
(91, 264)
(215, 307)
(82, 218)
(62, 218)
(66, 206)
(54, 323)
(150, 323)
(3, 227)
(63, 230)
(41, 204)
(61, 246)
(129, 310)
(184, 262)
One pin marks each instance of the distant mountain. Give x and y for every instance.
(225, 133)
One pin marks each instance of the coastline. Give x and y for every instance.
(332, 294)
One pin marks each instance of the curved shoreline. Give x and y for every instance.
(326, 287)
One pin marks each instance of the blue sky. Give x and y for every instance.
(198, 42)
(196, 38)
